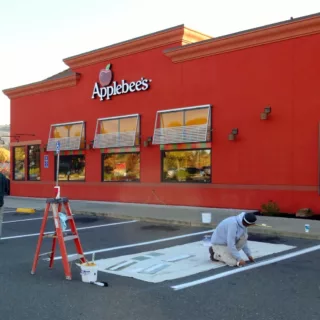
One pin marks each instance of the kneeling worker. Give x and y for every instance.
(230, 237)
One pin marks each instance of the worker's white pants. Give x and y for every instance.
(223, 254)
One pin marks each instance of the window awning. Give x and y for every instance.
(183, 125)
(71, 136)
(116, 132)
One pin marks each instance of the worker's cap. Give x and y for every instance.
(250, 218)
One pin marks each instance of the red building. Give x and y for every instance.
(180, 118)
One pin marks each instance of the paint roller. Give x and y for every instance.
(98, 283)
(263, 225)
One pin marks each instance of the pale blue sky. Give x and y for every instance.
(35, 35)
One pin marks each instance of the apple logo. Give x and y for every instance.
(105, 75)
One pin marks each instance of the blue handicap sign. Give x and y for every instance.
(58, 146)
(46, 161)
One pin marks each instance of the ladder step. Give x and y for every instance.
(45, 253)
(75, 257)
(67, 238)
(49, 236)
(67, 218)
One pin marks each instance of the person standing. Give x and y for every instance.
(230, 237)
(3, 190)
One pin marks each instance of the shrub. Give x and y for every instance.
(270, 207)
(304, 213)
(182, 175)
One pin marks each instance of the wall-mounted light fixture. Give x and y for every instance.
(233, 134)
(264, 115)
(147, 142)
(44, 147)
(89, 144)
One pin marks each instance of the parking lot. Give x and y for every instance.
(154, 272)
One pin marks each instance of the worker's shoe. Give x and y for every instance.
(212, 255)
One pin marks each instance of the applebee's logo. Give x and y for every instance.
(105, 76)
(105, 90)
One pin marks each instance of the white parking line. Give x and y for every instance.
(11, 211)
(22, 220)
(249, 267)
(82, 228)
(142, 243)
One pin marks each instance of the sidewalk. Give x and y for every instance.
(188, 216)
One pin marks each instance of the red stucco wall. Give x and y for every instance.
(274, 159)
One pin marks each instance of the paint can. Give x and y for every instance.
(206, 242)
(307, 227)
(89, 272)
(206, 217)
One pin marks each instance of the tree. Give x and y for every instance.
(4, 155)
(19, 154)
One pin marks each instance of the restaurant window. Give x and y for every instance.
(19, 156)
(123, 167)
(71, 136)
(34, 163)
(71, 168)
(186, 166)
(117, 132)
(192, 124)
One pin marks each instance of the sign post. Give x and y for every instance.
(58, 161)
(57, 188)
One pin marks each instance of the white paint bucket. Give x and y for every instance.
(89, 273)
(206, 217)
(206, 242)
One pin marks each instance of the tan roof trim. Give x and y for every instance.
(192, 36)
(42, 86)
(179, 34)
(256, 37)
(25, 143)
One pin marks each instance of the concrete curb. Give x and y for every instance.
(255, 230)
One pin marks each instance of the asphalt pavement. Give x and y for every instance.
(287, 289)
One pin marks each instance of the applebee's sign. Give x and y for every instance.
(105, 90)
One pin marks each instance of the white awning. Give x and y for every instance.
(184, 125)
(69, 134)
(117, 132)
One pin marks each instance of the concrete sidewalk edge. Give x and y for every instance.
(253, 230)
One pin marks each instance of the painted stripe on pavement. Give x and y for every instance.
(22, 220)
(142, 243)
(82, 228)
(246, 268)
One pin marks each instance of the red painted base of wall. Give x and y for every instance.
(215, 196)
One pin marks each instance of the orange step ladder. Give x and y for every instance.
(56, 206)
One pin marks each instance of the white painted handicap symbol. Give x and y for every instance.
(176, 262)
